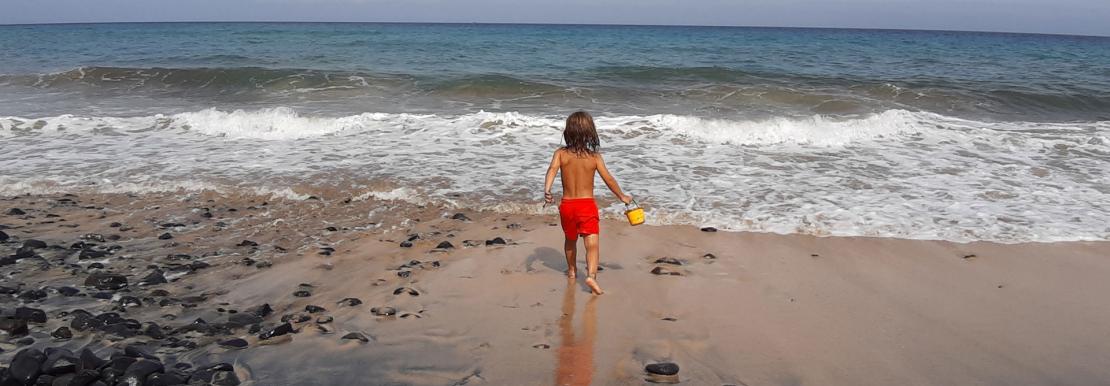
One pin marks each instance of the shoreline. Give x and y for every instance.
(767, 309)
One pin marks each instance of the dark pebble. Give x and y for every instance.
(91, 254)
(62, 333)
(165, 236)
(302, 294)
(331, 229)
(166, 379)
(4, 236)
(281, 329)
(708, 229)
(31, 315)
(445, 245)
(15, 212)
(324, 319)
(115, 225)
(314, 309)
(32, 295)
(154, 277)
(356, 336)
(34, 244)
(26, 366)
(220, 374)
(129, 302)
(664, 271)
(460, 217)
(23, 252)
(408, 290)
(668, 260)
(350, 302)
(242, 319)
(406, 244)
(236, 343)
(709, 256)
(89, 361)
(106, 281)
(404, 274)
(247, 243)
(383, 311)
(261, 311)
(665, 368)
(59, 361)
(13, 327)
(496, 241)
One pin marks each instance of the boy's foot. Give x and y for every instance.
(592, 283)
(571, 273)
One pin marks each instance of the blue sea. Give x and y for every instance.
(912, 134)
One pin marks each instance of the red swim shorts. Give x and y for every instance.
(579, 217)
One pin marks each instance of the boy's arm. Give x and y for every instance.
(610, 181)
(550, 178)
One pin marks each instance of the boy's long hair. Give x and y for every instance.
(580, 134)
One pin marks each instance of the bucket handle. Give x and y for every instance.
(633, 204)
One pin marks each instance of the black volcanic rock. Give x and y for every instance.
(664, 368)
(220, 374)
(350, 302)
(247, 243)
(68, 291)
(89, 361)
(59, 361)
(668, 260)
(32, 295)
(15, 212)
(262, 310)
(13, 326)
(165, 236)
(242, 319)
(34, 244)
(236, 343)
(62, 333)
(445, 245)
(106, 281)
(281, 329)
(137, 373)
(356, 336)
(496, 241)
(31, 315)
(26, 366)
(154, 277)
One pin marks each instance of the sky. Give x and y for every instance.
(1080, 17)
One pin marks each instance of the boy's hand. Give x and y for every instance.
(626, 199)
(548, 198)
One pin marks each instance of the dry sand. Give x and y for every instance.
(766, 310)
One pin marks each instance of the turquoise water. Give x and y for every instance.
(912, 134)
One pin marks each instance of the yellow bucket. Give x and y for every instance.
(634, 213)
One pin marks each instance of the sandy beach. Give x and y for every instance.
(447, 296)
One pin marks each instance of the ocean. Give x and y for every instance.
(955, 136)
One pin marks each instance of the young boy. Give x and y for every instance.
(577, 162)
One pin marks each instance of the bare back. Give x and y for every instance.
(576, 171)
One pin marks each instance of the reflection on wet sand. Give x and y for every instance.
(576, 353)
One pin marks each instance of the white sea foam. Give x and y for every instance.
(894, 174)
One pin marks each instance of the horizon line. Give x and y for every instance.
(549, 24)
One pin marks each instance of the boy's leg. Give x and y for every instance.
(570, 247)
(593, 257)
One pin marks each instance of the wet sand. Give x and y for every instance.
(762, 309)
